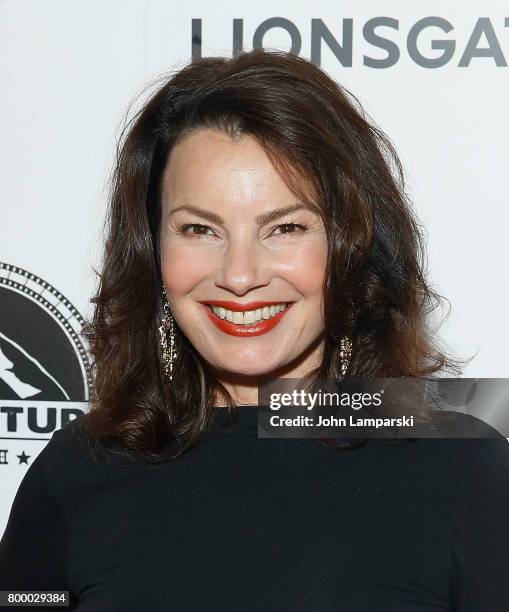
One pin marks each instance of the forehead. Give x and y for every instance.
(208, 166)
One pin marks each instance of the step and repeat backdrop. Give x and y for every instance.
(434, 76)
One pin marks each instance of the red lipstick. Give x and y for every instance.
(234, 329)
(237, 307)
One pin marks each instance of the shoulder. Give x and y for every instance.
(58, 455)
(467, 457)
(482, 450)
(456, 461)
(451, 423)
(67, 449)
(74, 444)
(72, 461)
(42, 483)
(70, 439)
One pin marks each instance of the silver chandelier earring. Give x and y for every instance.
(345, 354)
(169, 351)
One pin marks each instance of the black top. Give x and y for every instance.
(241, 523)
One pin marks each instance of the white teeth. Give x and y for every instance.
(238, 318)
(249, 316)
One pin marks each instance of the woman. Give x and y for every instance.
(258, 227)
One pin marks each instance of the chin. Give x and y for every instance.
(249, 369)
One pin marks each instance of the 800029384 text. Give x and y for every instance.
(34, 598)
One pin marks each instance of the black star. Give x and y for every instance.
(23, 458)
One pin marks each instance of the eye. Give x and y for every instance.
(289, 228)
(183, 229)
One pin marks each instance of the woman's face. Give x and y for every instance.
(226, 241)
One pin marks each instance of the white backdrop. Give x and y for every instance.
(434, 76)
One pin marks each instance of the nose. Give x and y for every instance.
(243, 266)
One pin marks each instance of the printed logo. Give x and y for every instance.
(387, 37)
(45, 374)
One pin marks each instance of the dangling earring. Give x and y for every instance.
(169, 353)
(344, 354)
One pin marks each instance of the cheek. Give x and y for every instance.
(182, 268)
(306, 268)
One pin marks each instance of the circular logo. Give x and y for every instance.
(45, 373)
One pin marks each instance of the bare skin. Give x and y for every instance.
(235, 258)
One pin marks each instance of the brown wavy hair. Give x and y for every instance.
(324, 147)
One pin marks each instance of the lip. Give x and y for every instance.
(243, 331)
(237, 307)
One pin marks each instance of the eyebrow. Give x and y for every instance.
(261, 219)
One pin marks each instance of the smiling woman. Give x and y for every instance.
(257, 227)
(244, 183)
(260, 261)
